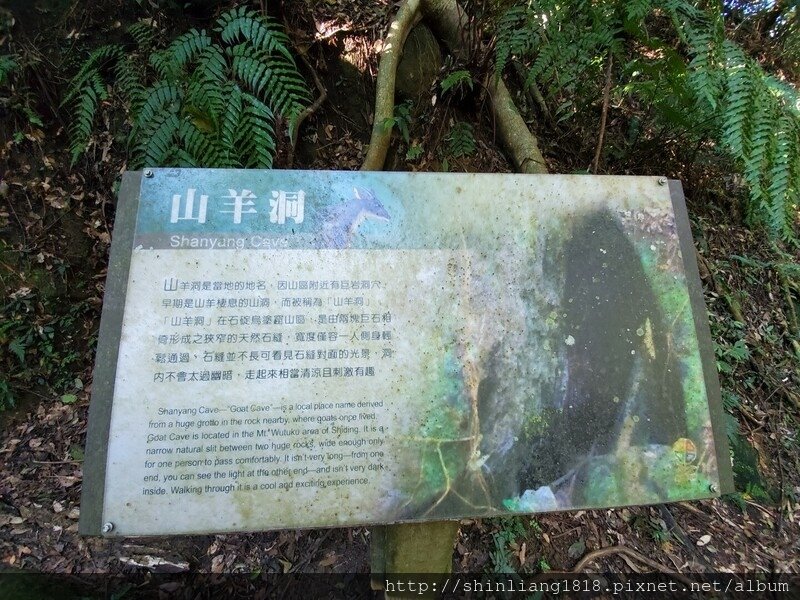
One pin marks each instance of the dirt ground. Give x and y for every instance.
(55, 226)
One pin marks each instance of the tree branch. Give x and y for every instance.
(520, 143)
(308, 111)
(450, 22)
(604, 116)
(406, 18)
(595, 554)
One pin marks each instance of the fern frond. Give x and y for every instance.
(702, 76)
(157, 142)
(143, 34)
(563, 47)
(89, 69)
(738, 101)
(128, 80)
(263, 33)
(759, 129)
(455, 79)
(706, 85)
(780, 180)
(98, 85)
(231, 118)
(271, 79)
(81, 125)
(761, 145)
(161, 62)
(201, 149)
(7, 66)
(93, 92)
(207, 102)
(213, 102)
(256, 135)
(637, 10)
(460, 140)
(206, 87)
(170, 62)
(160, 97)
(212, 65)
(704, 35)
(517, 35)
(788, 96)
(682, 12)
(85, 92)
(186, 47)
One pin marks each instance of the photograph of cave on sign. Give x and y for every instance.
(571, 375)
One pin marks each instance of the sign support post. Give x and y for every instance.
(413, 549)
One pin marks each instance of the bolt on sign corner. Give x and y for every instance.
(284, 349)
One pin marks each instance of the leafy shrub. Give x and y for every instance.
(205, 100)
(34, 349)
(708, 88)
(8, 65)
(16, 101)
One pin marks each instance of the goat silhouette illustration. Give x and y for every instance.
(342, 220)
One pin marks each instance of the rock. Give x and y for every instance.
(420, 64)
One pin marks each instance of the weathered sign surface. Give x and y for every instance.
(305, 349)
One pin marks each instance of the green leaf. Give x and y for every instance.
(414, 152)
(76, 452)
(577, 549)
(207, 99)
(69, 398)
(18, 347)
(456, 79)
(186, 48)
(7, 66)
(262, 33)
(460, 140)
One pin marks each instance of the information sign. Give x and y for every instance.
(285, 349)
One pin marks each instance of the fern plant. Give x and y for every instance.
(457, 79)
(460, 140)
(756, 117)
(205, 100)
(562, 47)
(7, 66)
(708, 87)
(16, 99)
(401, 120)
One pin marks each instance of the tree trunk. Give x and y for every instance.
(428, 547)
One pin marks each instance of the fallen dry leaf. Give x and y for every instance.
(218, 563)
(329, 560)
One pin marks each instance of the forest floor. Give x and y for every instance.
(55, 230)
